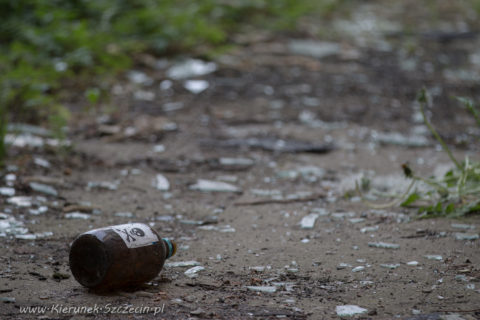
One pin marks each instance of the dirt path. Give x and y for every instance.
(272, 92)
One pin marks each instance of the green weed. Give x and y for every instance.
(453, 195)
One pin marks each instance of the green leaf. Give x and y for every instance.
(411, 199)
(92, 94)
(450, 208)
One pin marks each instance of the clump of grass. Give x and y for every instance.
(455, 194)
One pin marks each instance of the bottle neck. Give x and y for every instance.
(171, 248)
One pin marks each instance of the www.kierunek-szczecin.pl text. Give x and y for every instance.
(95, 309)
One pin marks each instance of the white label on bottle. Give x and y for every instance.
(135, 234)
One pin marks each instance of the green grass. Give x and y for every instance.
(456, 194)
(51, 49)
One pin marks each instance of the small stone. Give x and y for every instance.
(225, 228)
(321, 211)
(466, 236)
(461, 277)
(193, 272)
(138, 77)
(349, 310)
(161, 183)
(343, 266)
(124, 214)
(198, 312)
(159, 148)
(308, 222)
(102, 185)
(190, 68)
(264, 289)
(233, 162)
(77, 215)
(258, 268)
(196, 86)
(462, 226)
(43, 188)
(41, 162)
(191, 263)
(356, 220)
(6, 191)
(369, 229)
(213, 186)
(434, 257)
(358, 269)
(390, 266)
(39, 211)
(383, 245)
(412, 263)
(20, 201)
(26, 236)
(396, 138)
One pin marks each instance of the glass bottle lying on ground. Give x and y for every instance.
(121, 256)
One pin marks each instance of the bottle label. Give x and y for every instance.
(134, 235)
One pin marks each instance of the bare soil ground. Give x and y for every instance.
(265, 89)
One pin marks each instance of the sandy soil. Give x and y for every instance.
(346, 99)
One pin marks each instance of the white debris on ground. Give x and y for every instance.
(161, 183)
(264, 289)
(214, 186)
(308, 222)
(196, 86)
(383, 245)
(191, 263)
(77, 215)
(349, 310)
(193, 272)
(107, 185)
(434, 257)
(191, 68)
(224, 229)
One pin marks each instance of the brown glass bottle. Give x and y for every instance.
(118, 256)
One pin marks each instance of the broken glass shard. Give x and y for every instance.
(390, 265)
(434, 257)
(196, 86)
(191, 68)
(43, 188)
(161, 183)
(308, 221)
(102, 185)
(77, 215)
(264, 289)
(466, 236)
(20, 201)
(358, 269)
(349, 310)
(191, 263)
(6, 191)
(193, 272)
(213, 186)
(383, 245)
(369, 229)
